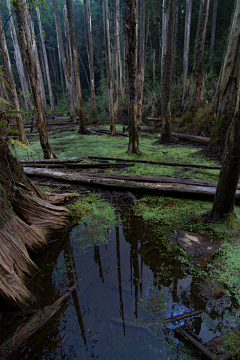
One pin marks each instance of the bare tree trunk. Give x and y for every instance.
(199, 53)
(230, 172)
(34, 79)
(19, 63)
(214, 21)
(62, 59)
(226, 101)
(188, 18)
(52, 102)
(175, 35)
(68, 50)
(88, 27)
(132, 50)
(120, 50)
(168, 19)
(13, 91)
(108, 66)
(141, 63)
(78, 90)
(115, 97)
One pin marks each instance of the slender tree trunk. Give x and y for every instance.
(175, 35)
(34, 79)
(141, 63)
(168, 19)
(13, 91)
(62, 59)
(230, 172)
(52, 102)
(88, 27)
(214, 22)
(68, 50)
(132, 51)
(108, 66)
(120, 51)
(19, 63)
(199, 53)
(188, 17)
(78, 90)
(115, 97)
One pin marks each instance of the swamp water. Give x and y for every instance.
(127, 285)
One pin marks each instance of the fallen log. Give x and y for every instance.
(183, 316)
(200, 139)
(53, 161)
(172, 189)
(79, 166)
(157, 162)
(36, 322)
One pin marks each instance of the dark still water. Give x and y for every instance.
(127, 284)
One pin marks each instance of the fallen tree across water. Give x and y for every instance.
(35, 323)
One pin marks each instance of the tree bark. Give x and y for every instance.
(78, 90)
(13, 91)
(108, 66)
(132, 51)
(188, 18)
(19, 63)
(52, 102)
(214, 22)
(62, 58)
(226, 101)
(199, 53)
(168, 19)
(34, 79)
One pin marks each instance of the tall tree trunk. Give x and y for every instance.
(19, 63)
(13, 91)
(52, 102)
(214, 22)
(199, 53)
(227, 94)
(230, 172)
(68, 49)
(188, 18)
(120, 50)
(115, 97)
(34, 79)
(141, 62)
(168, 20)
(132, 51)
(89, 41)
(108, 66)
(175, 35)
(62, 59)
(78, 90)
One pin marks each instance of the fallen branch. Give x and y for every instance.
(36, 322)
(200, 139)
(157, 162)
(183, 316)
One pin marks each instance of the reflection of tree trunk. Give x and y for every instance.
(188, 17)
(78, 90)
(34, 80)
(97, 259)
(13, 91)
(119, 277)
(132, 47)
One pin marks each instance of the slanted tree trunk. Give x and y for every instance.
(230, 172)
(168, 19)
(115, 97)
(214, 22)
(108, 66)
(13, 91)
(188, 18)
(199, 53)
(19, 63)
(26, 219)
(226, 101)
(141, 63)
(89, 41)
(34, 80)
(67, 75)
(132, 51)
(78, 90)
(52, 102)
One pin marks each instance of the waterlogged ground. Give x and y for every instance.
(131, 277)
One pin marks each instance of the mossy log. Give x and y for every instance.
(26, 219)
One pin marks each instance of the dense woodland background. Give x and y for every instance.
(153, 23)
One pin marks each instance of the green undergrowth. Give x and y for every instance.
(68, 144)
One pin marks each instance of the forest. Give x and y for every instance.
(119, 179)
